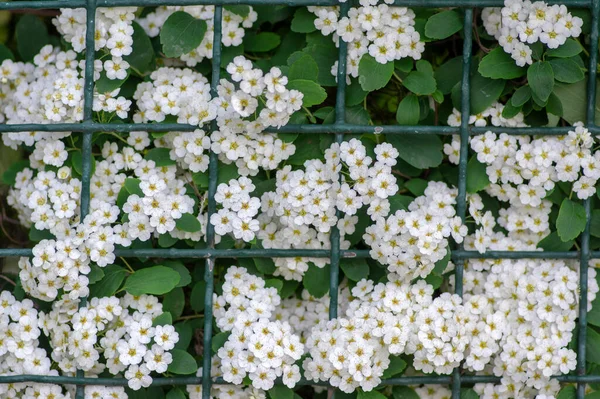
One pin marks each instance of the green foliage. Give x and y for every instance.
(355, 269)
(419, 150)
(316, 280)
(189, 223)
(540, 76)
(281, 392)
(183, 363)
(110, 283)
(421, 83)
(372, 75)
(313, 93)
(408, 112)
(370, 395)
(499, 65)
(443, 25)
(571, 220)
(181, 34)
(566, 70)
(31, 34)
(401, 392)
(154, 280)
(477, 178)
(262, 42)
(304, 21)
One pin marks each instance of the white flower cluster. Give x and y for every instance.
(181, 94)
(306, 312)
(20, 351)
(524, 169)
(238, 209)
(233, 28)
(299, 214)
(257, 347)
(248, 104)
(385, 32)
(113, 35)
(118, 329)
(228, 391)
(354, 351)
(189, 150)
(48, 91)
(411, 241)
(523, 22)
(530, 307)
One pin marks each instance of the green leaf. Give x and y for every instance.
(372, 75)
(566, 70)
(304, 67)
(595, 223)
(521, 96)
(174, 302)
(399, 202)
(274, 282)
(498, 64)
(197, 296)
(408, 112)
(477, 178)
(219, 340)
(313, 93)
(184, 274)
(316, 280)
(156, 280)
(325, 54)
(265, 265)
(183, 363)
(468, 393)
(189, 223)
(420, 83)
(569, 49)
(132, 185)
(176, 393)
(241, 10)
(10, 174)
(419, 150)
(5, 53)
(262, 42)
(592, 346)
(571, 220)
(143, 53)
(305, 149)
(181, 34)
(96, 274)
(554, 105)
(110, 283)
(160, 156)
(401, 392)
(355, 269)
(574, 101)
(163, 319)
(443, 25)
(448, 74)
(484, 92)
(541, 79)
(370, 395)
(568, 392)
(416, 186)
(397, 366)
(355, 94)
(77, 162)
(593, 317)
(553, 243)
(281, 392)
(31, 35)
(304, 21)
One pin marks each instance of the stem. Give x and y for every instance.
(127, 264)
(190, 317)
(396, 76)
(3, 277)
(117, 136)
(310, 115)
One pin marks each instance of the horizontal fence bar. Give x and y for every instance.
(309, 253)
(47, 4)
(166, 381)
(342, 128)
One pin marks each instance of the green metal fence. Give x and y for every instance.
(339, 128)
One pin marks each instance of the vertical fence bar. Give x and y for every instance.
(212, 207)
(340, 118)
(86, 145)
(461, 200)
(585, 237)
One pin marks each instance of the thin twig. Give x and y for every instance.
(477, 38)
(3, 277)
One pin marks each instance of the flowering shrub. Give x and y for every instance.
(395, 204)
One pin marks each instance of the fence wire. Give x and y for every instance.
(339, 128)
